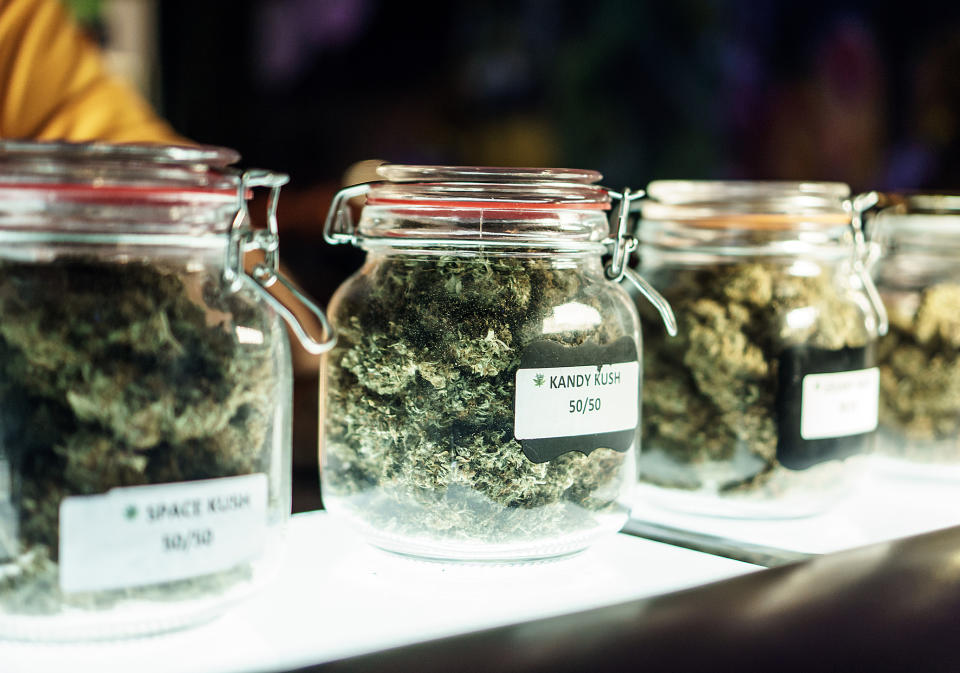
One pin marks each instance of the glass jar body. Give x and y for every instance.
(145, 463)
(761, 406)
(919, 358)
(420, 450)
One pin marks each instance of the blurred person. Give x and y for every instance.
(54, 84)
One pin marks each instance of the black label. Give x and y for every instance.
(548, 354)
(793, 451)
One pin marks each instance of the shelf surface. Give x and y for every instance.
(890, 502)
(336, 597)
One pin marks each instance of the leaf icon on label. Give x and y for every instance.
(130, 512)
(538, 380)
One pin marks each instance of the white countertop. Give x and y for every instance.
(892, 500)
(335, 597)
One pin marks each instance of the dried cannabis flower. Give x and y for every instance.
(920, 376)
(710, 395)
(120, 374)
(420, 399)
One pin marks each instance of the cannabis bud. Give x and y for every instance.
(422, 448)
(117, 374)
(920, 376)
(723, 401)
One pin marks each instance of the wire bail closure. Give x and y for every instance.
(338, 228)
(243, 239)
(624, 244)
(863, 253)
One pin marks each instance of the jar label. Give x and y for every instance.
(827, 404)
(140, 535)
(8, 520)
(576, 398)
(840, 404)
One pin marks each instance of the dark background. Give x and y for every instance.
(862, 92)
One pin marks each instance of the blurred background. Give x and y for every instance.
(862, 92)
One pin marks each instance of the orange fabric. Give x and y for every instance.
(54, 85)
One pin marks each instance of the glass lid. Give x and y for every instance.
(917, 219)
(206, 155)
(746, 204)
(56, 188)
(107, 172)
(468, 187)
(422, 206)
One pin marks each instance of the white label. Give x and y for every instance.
(573, 401)
(6, 483)
(143, 535)
(839, 404)
(8, 519)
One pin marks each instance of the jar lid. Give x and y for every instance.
(110, 173)
(748, 205)
(472, 187)
(921, 214)
(102, 188)
(473, 205)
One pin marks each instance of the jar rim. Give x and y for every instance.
(921, 203)
(459, 188)
(924, 218)
(207, 155)
(97, 188)
(493, 174)
(115, 173)
(697, 191)
(469, 206)
(771, 205)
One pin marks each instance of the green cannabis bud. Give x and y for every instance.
(419, 411)
(117, 374)
(716, 407)
(920, 376)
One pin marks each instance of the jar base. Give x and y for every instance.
(790, 495)
(132, 621)
(712, 505)
(900, 457)
(429, 548)
(902, 467)
(459, 560)
(123, 614)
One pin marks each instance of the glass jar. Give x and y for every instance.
(918, 276)
(765, 399)
(482, 401)
(145, 396)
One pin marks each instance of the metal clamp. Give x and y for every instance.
(858, 206)
(243, 239)
(339, 226)
(624, 244)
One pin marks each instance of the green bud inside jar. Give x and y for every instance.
(765, 399)
(145, 390)
(918, 276)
